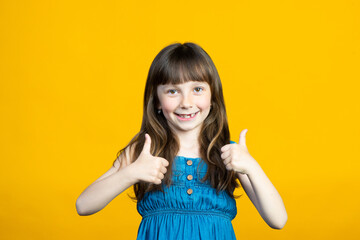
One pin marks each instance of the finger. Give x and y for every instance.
(225, 154)
(147, 144)
(163, 170)
(165, 162)
(227, 160)
(228, 167)
(242, 140)
(225, 147)
(157, 181)
(160, 175)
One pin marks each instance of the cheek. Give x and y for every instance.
(168, 104)
(204, 103)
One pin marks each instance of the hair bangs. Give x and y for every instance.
(185, 67)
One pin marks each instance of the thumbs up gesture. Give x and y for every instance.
(237, 157)
(147, 167)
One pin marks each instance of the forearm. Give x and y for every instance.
(99, 194)
(269, 201)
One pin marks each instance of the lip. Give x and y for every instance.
(187, 119)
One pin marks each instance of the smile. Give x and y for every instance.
(186, 116)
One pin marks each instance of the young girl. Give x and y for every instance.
(182, 164)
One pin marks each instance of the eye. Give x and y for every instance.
(198, 89)
(172, 91)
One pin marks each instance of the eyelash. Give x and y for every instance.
(202, 89)
(169, 91)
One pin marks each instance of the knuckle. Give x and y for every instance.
(157, 181)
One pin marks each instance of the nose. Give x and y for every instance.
(186, 102)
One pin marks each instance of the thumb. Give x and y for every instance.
(147, 144)
(242, 141)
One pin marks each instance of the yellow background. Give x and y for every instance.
(72, 76)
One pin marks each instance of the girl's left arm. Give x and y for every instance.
(256, 184)
(264, 196)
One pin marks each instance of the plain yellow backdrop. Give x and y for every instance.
(72, 76)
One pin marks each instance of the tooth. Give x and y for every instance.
(193, 114)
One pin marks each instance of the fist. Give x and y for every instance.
(236, 157)
(147, 167)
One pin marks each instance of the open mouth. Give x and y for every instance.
(187, 116)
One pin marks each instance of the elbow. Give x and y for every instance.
(80, 208)
(278, 226)
(83, 208)
(280, 223)
(81, 213)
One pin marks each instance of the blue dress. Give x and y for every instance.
(188, 209)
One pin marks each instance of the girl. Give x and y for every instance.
(182, 164)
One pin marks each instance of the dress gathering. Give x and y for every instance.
(188, 208)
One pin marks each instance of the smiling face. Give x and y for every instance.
(186, 105)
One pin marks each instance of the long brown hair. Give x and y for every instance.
(176, 64)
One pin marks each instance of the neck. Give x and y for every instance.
(189, 144)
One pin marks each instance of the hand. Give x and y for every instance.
(237, 157)
(147, 167)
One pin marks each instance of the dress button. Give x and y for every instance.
(189, 177)
(189, 162)
(189, 191)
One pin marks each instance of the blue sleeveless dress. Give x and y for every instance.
(188, 209)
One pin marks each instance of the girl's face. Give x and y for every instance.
(186, 105)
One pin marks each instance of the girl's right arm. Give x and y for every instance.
(101, 192)
(120, 177)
